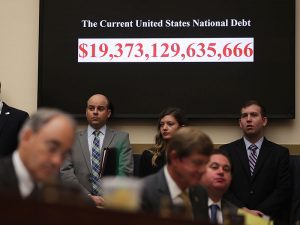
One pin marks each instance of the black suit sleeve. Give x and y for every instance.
(282, 189)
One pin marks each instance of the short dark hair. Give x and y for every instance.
(188, 140)
(255, 102)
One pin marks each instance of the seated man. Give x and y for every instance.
(31, 171)
(187, 154)
(216, 180)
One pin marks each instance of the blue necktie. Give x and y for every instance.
(213, 213)
(95, 178)
(252, 157)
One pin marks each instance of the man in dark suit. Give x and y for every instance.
(261, 181)
(11, 121)
(216, 180)
(164, 192)
(97, 151)
(30, 172)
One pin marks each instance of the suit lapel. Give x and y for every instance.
(162, 185)
(263, 155)
(5, 113)
(242, 154)
(199, 200)
(83, 140)
(109, 134)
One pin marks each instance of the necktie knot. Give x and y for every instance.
(96, 133)
(214, 210)
(253, 148)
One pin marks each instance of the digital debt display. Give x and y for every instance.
(207, 57)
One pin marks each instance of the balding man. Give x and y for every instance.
(98, 151)
(11, 121)
(44, 141)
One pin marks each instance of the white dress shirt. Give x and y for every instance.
(1, 106)
(25, 181)
(175, 191)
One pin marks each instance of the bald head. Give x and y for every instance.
(98, 110)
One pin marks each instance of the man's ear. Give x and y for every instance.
(26, 135)
(265, 121)
(109, 113)
(173, 157)
(240, 123)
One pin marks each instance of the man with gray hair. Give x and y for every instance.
(44, 141)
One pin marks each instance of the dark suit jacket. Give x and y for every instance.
(155, 188)
(118, 158)
(8, 179)
(53, 192)
(202, 208)
(11, 121)
(268, 190)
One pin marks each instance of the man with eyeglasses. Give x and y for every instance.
(98, 151)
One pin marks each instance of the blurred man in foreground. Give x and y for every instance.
(187, 155)
(44, 141)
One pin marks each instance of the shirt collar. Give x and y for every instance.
(175, 191)
(258, 143)
(90, 130)
(26, 183)
(1, 106)
(211, 202)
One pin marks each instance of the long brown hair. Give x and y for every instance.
(160, 143)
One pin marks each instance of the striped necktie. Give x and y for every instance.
(252, 157)
(95, 178)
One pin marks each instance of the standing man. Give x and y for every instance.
(216, 180)
(44, 141)
(261, 181)
(97, 151)
(187, 154)
(11, 121)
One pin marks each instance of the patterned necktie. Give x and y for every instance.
(95, 178)
(187, 204)
(252, 157)
(213, 213)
